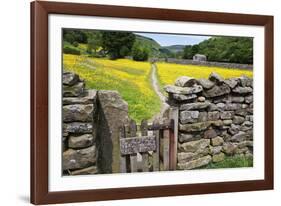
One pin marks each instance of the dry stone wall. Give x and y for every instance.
(215, 121)
(79, 132)
(91, 121)
(204, 63)
(215, 118)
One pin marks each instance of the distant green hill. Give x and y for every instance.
(175, 48)
(156, 50)
(149, 42)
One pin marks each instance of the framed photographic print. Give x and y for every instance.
(131, 102)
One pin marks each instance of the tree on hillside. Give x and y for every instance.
(223, 49)
(73, 35)
(140, 52)
(94, 42)
(117, 44)
(187, 53)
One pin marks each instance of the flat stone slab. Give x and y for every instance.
(242, 90)
(184, 97)
(194, 146)
(78, 128)
(86, 171)
(183, 90)
(195, 106)
(205, 83)
(199, 126)
(185, 81)
(195, 163)
(89, 98)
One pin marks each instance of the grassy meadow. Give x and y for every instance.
(133, 79)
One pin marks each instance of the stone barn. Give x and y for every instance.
(199, 57)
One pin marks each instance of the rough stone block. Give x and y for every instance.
(249, 118)
(199, 126)
(81, 141)
(194, 146)
(86, 171)
(195, 106)
(201, 99)
(215, 150)
(215, 77)
(195, 163)
(241, 112)
(245, 81)
(195, 127)
(184, 137)
(185, 81)
(203, 116)
(217, 141)
(237, 99)
(238, 120)
(188, 156)
(226, 114)
(184, 97)
(227, 122)
(76, 159)
(205, 83)
(242, 90)
(210, 133)
(78, 128)
(183, 90)
(249, 99)
(74, 90)
(188, 116)
(78, 113)
(218, 157)
(246, 143)
(229, 148)
(216, 91)
(213, 115)
(113, 113)
(70, 78)
(89, 98)
(239, 137)
(232, 106)
(232, 82)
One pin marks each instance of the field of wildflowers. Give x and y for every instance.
(133, 79)
(130, 78)
(168, 73)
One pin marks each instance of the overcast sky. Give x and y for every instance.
(173, 39)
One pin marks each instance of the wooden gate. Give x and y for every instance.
(149, 147)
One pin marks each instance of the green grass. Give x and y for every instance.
(231, 162)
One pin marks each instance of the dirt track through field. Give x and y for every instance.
(156, 88)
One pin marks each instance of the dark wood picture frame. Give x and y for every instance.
(39, 102)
